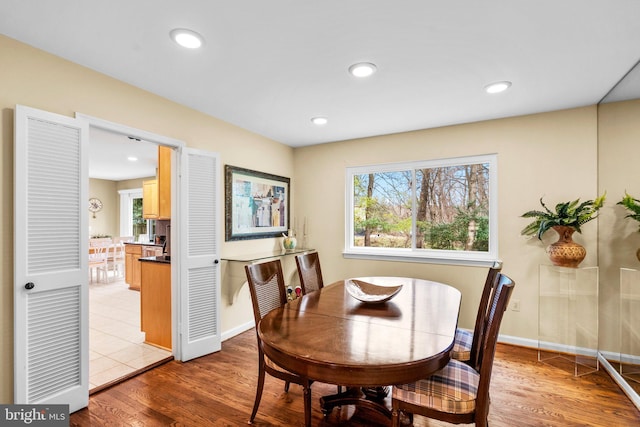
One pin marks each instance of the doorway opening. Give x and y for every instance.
(119, 164)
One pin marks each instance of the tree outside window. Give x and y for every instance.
(139, 223)
(131, 221)
(427, 208)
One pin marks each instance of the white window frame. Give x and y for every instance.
(126, 209)
(438, 256)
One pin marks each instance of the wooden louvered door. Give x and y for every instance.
(51, 352)
(199, 212)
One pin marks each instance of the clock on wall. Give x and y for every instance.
(95, 205)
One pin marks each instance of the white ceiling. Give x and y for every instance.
(269, 66)
(109, 154)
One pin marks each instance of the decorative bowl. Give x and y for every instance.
(370, 293)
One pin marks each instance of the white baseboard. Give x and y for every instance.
(237, 330)
(622, 383)
(560, 348)
(522, 342)
(630, 359)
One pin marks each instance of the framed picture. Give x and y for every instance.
(256, 204)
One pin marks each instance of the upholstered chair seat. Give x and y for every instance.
(452, 389)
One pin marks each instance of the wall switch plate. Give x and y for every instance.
(515, 305)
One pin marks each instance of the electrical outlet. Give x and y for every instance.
(515, 305)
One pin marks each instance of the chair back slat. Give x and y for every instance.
(309, 272)
(483, 309)
(498, 306)
(266, 285)
(99, 250)
(267, 288)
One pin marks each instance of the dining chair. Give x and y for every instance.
(466, 343)
(309, 272)
(310, 275)
(267, 289)
(458, 393)
(115, 261)
(98, 254)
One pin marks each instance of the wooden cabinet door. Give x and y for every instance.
(128, 268)
(150, 199)
(132, 266)
(135, 277)
(164, 182)
(155, 303)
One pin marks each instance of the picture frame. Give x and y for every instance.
(256, 204)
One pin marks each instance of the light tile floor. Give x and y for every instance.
(116, 343)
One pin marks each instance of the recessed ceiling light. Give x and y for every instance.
(497, 87)
(362, 69)
(319, 121)
(186, 38)
(132, 158)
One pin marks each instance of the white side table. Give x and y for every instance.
(568, 318)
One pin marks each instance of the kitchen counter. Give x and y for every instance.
(133, 253)
(166, 259)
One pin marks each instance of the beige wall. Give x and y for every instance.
(552, 155)
(33, 78)
(619, 141)
(106, 221)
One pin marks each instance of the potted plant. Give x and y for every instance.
(567, 218)
(633, 206)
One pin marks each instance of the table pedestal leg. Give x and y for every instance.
(374, 399)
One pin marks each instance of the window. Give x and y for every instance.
(426, 211)
(131, 221)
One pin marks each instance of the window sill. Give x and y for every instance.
(448, 258)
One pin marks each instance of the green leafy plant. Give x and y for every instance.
(571, 214)
(633, 206)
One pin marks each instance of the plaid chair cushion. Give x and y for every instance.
(452, 389)
(462, 345)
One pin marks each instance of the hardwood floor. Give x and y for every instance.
(219, 390)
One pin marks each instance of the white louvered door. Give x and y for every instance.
(199, 212)
(51, 343)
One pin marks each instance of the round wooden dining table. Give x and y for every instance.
(331, 337)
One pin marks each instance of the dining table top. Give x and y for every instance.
(330, 336)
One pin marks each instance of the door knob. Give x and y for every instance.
(216, 261)
(29, 286)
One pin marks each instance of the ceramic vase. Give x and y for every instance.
(565, 252)
(289, 241)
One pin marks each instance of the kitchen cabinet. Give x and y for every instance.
(132, 266)
(164, 182)
(150, 199)
(155, 303)
(156, 193)
(132, 254)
